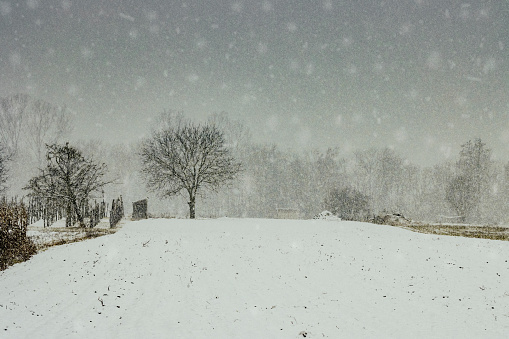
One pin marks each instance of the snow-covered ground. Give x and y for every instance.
(254, 278)
(57, 232)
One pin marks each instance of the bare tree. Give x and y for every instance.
(237, 136)
(4, 159)
(468, 190)
(378, 175)
(13, 111)
(169, 119)
(187, 158)
(461, 195)
(231, 199)
(69, 178)
(45, 124)
(31, 123)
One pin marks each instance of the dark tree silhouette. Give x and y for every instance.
(187, 158)
(69, 178)
(347, 203)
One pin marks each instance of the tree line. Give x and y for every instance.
(216, 166)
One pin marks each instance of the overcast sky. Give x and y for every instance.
(422, 76)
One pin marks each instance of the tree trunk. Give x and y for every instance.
(191, 204)
(78, 214)
(68, 217)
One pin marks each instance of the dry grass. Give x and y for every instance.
(457, 230)
(54, 236)
(72, 234)
(468, 231)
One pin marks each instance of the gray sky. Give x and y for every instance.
(422, 76)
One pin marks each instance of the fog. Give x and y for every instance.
(420, 77)
(328, 94)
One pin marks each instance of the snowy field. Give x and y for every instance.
(254, 278)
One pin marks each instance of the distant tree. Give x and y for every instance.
(467, 191)
(168, 119)
(431, 200)
(462, 197)
(31, 123)
(231, 199)
(4, 159)
(379, 175)
(187, 157)
(13, 113)
(68, 177)
(45, 124)
(347, 203)
(236, 136)
(328, 168)
(475, 164)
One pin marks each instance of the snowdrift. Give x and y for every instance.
(253, 278)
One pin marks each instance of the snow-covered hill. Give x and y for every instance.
(254, 278)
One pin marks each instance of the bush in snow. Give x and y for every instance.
(15, 246)
(392, 219)
(347, 203)
(326, 215)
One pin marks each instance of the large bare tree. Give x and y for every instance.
(187, 158)
(68, 177)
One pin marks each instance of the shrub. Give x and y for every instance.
(15, 246)
(347, 203)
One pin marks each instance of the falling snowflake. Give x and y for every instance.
(327, 5)
(237, 7)
(267, 6)
(33, 4)
(5, 8)
(15, 59)
(66, 5)
(434, 60)
(291, 27)
(193, 77)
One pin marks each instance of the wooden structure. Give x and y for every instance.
(117, 211)
(140, 209)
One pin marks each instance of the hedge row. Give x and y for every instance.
(15, 246)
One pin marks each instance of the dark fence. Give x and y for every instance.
(51, 210)
(96, 213)
(140, 209)
(117, 211)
